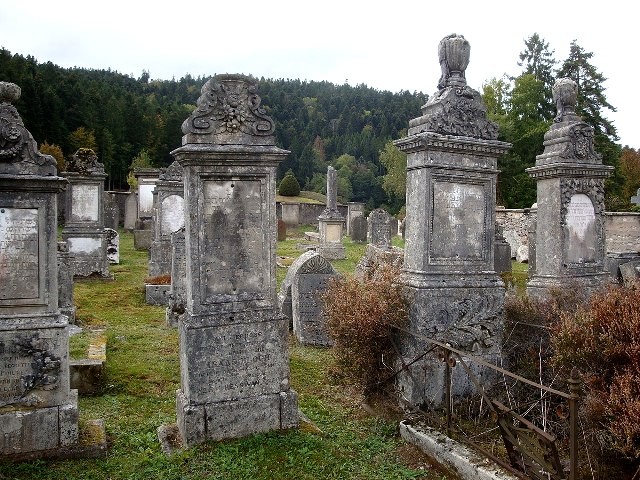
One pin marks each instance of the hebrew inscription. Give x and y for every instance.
(580, 227)
(19, 253)
(234, 247)
(84, 203)
(459, 212)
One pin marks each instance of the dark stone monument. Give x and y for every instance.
(233, 340)
(38, 411)
(282, 230)
(354, 210)
(65, 283)
(379, 227)
(570, 226)
(310, 280)
(359, 229)
(178, 290)
(502, 254)
(84, 219)
(456, 295)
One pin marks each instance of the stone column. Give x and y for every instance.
(84, 220)
(570, 228)
(233, 341)
(456, 295)
(331, 221)
(168, 218)
(38, 411)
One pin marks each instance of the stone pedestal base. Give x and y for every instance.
(234, 375)
(539, 286)
(466, 317)
(235, 418)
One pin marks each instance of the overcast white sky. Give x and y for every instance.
(385, 45)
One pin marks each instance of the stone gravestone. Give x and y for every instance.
(143, 232)
(65, 283)
(284, 296)
(635, 199)
(359, 229)
(84, 221)
(331, 221)
(130, 212)
(111, 211)
(233, 341)
(570, 226)
(354, 210)
(38, 411)
(456, 296)
(310, 281)
(502, 254)
(178, 289)
(168, 218)
(379, 227)
(113, 246)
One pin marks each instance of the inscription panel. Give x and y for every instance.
(85, 203)
(334, 233)
(19, 253)
(28, 368)
(458, 226)
(145, 199)
(234, 252)
(309, 323)
(172, 214)
(580, 227)
(242, 360)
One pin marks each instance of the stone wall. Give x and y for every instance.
(515, 224)
(308, 213)
(622, 232)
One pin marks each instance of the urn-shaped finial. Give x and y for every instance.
(9, 92)
(565, 96)
(453, 54)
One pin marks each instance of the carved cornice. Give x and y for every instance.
(453, 144)
(569, 170)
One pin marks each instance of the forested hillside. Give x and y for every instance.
(317, 121)
(126, 119)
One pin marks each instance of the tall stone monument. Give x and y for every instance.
(457, 297)
(38, 411)
(84, 220)
(331, 221)
(233, 340)
(168, 217)
(570, 227)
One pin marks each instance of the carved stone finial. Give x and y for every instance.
(19, 153)
(85, 162)
(173, 173)
(228, 112)
(565, 96)
(9, 92)
(453, 53)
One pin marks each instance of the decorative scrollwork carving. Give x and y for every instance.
(316, 264)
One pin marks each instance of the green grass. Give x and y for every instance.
(142, 375)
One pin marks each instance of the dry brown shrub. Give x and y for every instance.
(602, 340)
(360, 316)
(158, 280)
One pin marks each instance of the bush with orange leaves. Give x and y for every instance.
(602, 339)
(360, 316)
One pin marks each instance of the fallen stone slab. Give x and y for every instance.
(466, 463)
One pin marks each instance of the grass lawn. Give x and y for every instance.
(139, 396)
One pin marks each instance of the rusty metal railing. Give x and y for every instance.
(532, 452)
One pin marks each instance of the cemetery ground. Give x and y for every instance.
(346, 440)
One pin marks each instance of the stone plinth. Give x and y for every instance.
(38, 411)
(168, 217)
(331, 222)
(570, 225)
(84, 220)
(456, 295)
(233, 340)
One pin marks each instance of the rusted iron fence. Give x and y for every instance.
(531, 447)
